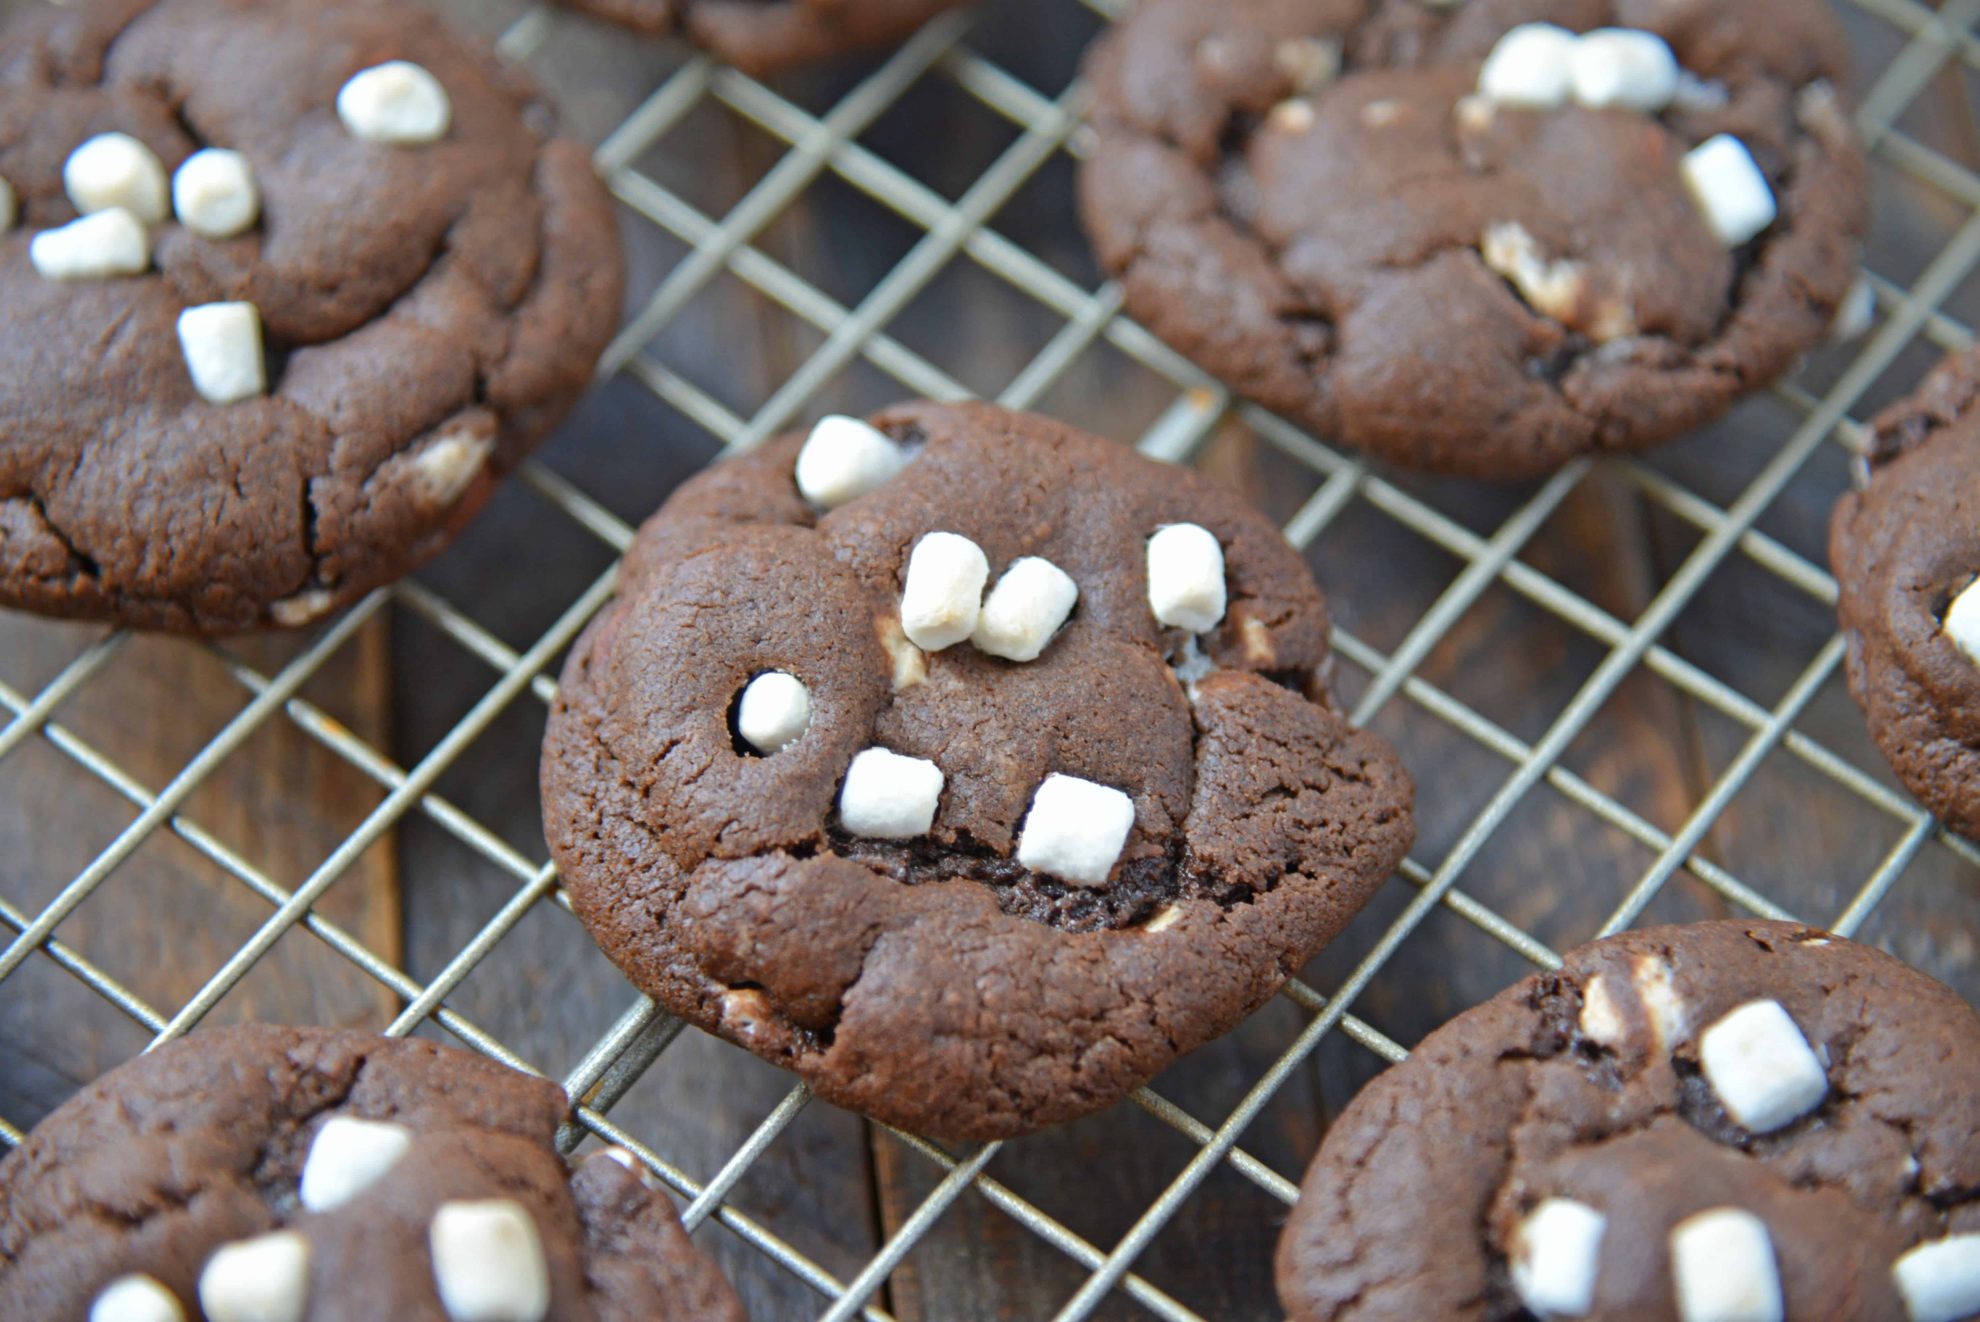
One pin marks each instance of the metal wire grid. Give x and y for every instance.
(1048, 123)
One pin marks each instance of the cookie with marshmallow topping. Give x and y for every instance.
(765, 36)
(1906, 550)
(1479, 238)
(266, 1174)
(1722, 1122)
(971, 766)
(292, 284)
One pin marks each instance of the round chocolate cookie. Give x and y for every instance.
(292, 283)
(1906, 551)
(1733, 1120)
(1481, 237)
(256, 1173)
(973, 767)
(763, 36)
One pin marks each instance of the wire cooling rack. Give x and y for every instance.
(1730, 622)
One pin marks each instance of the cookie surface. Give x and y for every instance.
(1611, 1087)
(882, 904)
(385, 1159)
(1314, 202)
(1905, 550)
(427, 310)
(760, 37)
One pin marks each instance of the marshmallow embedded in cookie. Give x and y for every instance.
(116, 170)
(136, 1299)
(775, 709)
(397, 103)
(96, 247)
(843, 459)
(1624, 67)
(943, 594)
(1530, 67)
(1722, 1263)
(1962, 623)
(1186, 577)
(1761, 1067)
(488, 1262)
(222, 346)
(1075, 830)
(214, 194)
(1731, 192)
(1027, 607)
(1554, 1255)
(1940, 1279)
(888, 796)
(348, 1156)
(10, 207)
(257, 1280)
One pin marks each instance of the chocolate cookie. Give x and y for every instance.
(258, 1173)
(1462, 235)
(762, 37)
(293, 283)
(971, 864)
(1906, 551)
(1733, 1120)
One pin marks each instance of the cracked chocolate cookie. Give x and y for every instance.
(972, 767)
(264, 1174)
(763, 36)
(1482, 237)
(1906, 550)
(1733, 1120)
(291, 284)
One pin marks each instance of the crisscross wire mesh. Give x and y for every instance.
(1597, 746)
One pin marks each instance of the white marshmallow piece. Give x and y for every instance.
(397, 103)
(257, 1280)
(1963, 621)
(1729, 190)
(215, 195)
(1940, 1280)
(488, 1262)
(888, 796)
(944, 591)
(1554, 1256)
(1075, 830)
(222, 346)
(1186, 577)
(96, 247)
(1623, 67)
(10, 207)
(1722, 1263)
(775, 709)
(1529, 67)
(1029, 604)
(348, 1156)
(136, 1299)
(843, 459)
(116, 170)
(1761, 1067)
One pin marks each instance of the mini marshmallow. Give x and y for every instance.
(888, 796)
(488, 1262)
(10, 207)
(1075, 830)
(1940, 1280)
(1963, 621)
(257, 1280)
(1602, 1019)
(397, 103)
(775, 709)
(1529, 67)
(1623, 67)
(136, 1299)
(1730, 191)
(1026, 608)
(116, 170)
(1186, 577)
(944, 591)
(447, 467)
(1308, 63)
(1760, 1066)
(1554, 1254)
(222, 346)
(1856, 314)
(214, 194)
(1722, 1263)
(843, 459)
(348, 1156)
(1670, 1017)
(96, 247)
